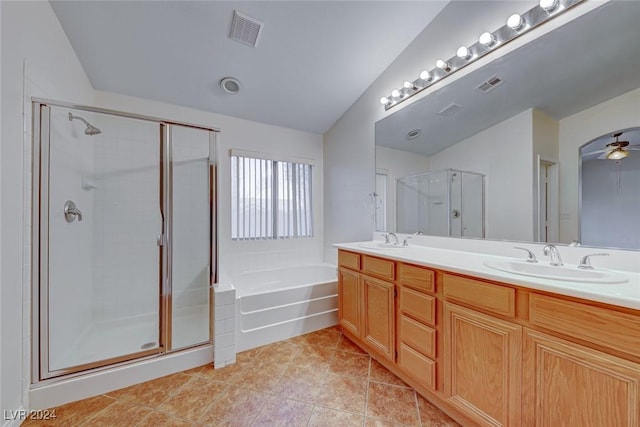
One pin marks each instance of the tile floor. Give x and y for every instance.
(318, 379)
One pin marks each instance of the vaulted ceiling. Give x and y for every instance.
(313, 60)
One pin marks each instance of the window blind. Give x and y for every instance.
(270, 199)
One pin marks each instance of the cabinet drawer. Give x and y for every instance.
(349, 260)
(488, 296)
(415, 277)
(418, 366)
(418, 336)
(620, 331)
(378, 267)
(418, 305)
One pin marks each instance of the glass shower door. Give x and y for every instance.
(192, 180)
(100, 220)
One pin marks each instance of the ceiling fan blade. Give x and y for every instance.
(595, 152)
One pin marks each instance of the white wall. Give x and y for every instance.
(503, 154)
(242, 134)
(545, 146)
(37, 60)
(611, 203)
(397, 163)
(605, 118)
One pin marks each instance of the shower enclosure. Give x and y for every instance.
(441, 203)
(124, 237)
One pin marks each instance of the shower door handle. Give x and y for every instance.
(71, 212)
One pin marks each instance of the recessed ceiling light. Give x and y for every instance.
(414, 134)
(230, 85)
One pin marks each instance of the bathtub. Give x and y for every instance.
(273, 305)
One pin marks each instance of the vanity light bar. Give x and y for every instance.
(516, 25)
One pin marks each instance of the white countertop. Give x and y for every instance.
(625, 294)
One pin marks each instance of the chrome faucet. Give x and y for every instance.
(530, 256)
(585, 262)
(552, 251)
(395, 237)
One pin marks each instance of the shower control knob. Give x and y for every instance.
(71, 212)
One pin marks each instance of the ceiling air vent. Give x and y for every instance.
(450, 110)
(245, 29)
(490, 84)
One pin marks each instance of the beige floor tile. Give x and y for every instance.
(261, 378)
(248, 355)
(228, 374)
(283, 412)
(345, 344)
(352, 364)
(391, 403)
(343, 393)
(235, 407)
(120, 414)
(325, 417)
(300, 383)
(325, 338)
(193, 399)
(160, 419)
(74, 413)
(431, 416)
(315, 357)
(153, 393)
(380, 374)
(373, 422)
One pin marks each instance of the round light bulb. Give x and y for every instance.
(442, 65)
(408, 85)
(548, 5)
(463, 52)
(395, 93)
(425, 75)
(384, 100)
(487, 39)
(515, 21)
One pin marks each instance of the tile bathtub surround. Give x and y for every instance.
(224, 325)
(317, 379)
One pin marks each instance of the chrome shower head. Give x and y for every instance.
(90, 129)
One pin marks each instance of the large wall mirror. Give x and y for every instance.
(498, 153)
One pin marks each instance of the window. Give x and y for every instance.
(270, 199)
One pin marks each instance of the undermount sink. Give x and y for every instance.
(381, 246)
(545, 271)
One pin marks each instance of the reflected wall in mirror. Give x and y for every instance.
(610, 194)
(524, 135)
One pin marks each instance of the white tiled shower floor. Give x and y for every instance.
(106, 340)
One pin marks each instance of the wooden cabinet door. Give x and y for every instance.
(379, 316)
(350, 299)
(482, 366)
(565, 384)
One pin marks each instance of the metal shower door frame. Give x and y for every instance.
(40, 368)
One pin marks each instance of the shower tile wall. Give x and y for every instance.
(127, 218)
(70, 249)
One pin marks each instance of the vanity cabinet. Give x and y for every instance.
(566, 384)
(350, 301)
(492, 353)
(366, 302)
(482, 366)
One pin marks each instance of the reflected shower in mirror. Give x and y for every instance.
(441, 203)
(610, 195)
